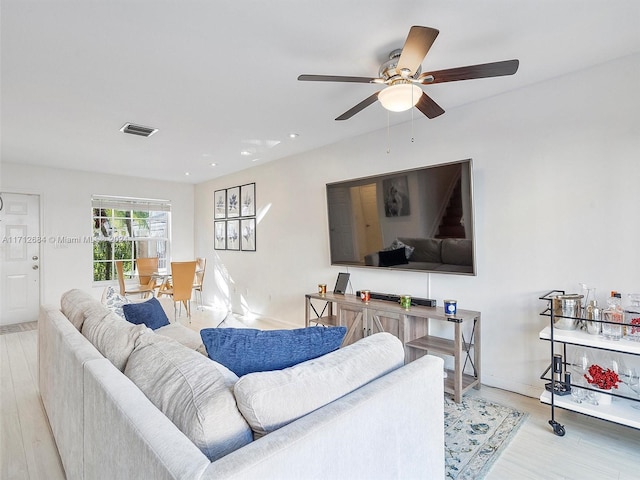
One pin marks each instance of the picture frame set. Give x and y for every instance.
(234, 214)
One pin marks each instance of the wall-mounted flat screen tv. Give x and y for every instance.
(418, 220)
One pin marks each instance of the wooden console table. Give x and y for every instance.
(411, 326)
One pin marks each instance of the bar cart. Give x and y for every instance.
(557, 393)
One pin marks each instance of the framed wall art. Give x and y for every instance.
(396, 196)
(248, 200)
(248, 234)
(220, 204)
(233, 202)
(233, 234)
(220, 235)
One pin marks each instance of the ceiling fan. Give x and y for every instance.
(402, 75)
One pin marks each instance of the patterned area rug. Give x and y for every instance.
(475, 432)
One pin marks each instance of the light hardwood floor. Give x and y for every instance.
(591, 449)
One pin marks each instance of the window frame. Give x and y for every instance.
(125, 227)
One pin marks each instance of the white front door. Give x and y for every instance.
(19, 258)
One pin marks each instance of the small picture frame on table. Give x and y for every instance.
(248, 234)
(248, 200)
(233, 234)
(220, 235)
(220, 204)
(233, 202)
(341, 283)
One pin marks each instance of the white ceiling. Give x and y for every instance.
(219, 77)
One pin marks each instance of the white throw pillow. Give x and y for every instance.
(194, 392)
(270, 400)
(112, 299)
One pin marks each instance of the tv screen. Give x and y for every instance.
(419, 220)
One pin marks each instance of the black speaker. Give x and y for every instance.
(389, 297)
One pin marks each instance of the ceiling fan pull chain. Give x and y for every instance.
(388, 134)
(412, 136)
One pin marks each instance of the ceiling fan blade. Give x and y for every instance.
(361, 106)
(335, 78)
(415, 48)
(495, 69)
(427, 106)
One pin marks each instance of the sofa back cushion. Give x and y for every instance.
(270, 400)
(113, 336)
(74, 304)
(425, 249)
(194, 392)
(457, 251)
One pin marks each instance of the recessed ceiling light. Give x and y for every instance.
(293, 135)
(255, 159)
(134, 129)
(245, 153)
(213, 164)
(187, 173)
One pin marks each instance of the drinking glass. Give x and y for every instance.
(633, 382)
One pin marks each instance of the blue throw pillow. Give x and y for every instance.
(246, 350)
(149, 313)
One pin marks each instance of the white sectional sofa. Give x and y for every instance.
(384, 422)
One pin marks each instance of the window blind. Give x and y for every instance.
(130, 203)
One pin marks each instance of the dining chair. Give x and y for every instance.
(147, 266)
(143, 290)
(182, 275)
(201, 265)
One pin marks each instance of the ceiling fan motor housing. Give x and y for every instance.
(388, 70)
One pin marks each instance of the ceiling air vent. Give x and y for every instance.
(134, 129)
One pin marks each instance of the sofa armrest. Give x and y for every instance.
(392, 427)
(62, 354)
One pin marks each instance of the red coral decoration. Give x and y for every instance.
(601, 378)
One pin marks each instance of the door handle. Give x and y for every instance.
(35, 267)
(34, 258)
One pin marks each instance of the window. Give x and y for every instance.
(126, 229)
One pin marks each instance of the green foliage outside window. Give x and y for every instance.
(127, 235)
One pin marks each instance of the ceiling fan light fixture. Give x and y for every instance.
(400, 97)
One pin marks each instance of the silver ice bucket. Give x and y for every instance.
(567, 306)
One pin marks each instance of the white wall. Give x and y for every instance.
(557, 202)
(65, 197)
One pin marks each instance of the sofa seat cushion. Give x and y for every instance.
(113, 336)
(247, 350)
(192, 391)
(270, 400)
(184, 335)
(149, 313)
